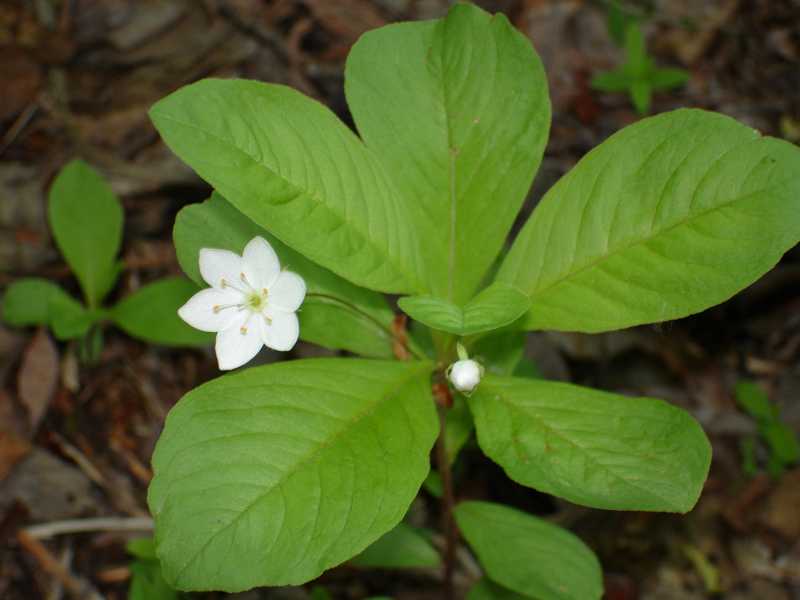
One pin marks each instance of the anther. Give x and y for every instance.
(243, 330)
(216, 308)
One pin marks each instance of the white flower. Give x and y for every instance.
(251, 302)
(465, 375)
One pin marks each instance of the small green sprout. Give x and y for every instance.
(781, 442)
(86, 220)
(638, 76)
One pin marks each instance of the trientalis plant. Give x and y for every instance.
(270, 475)
(86, 218)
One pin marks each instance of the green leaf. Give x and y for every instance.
(617, 80)
(273, 474)
(666, 79)
(34, 301)
(618, 22)
(151, 314)
(638, 62)
(336, 314)
(528, 555)
(486, 589)
(640, 96)
(433, 484)
(500, 351)
(754, 400)
(458, 111)
(290, 165)
(147, 582)
(69, 319)
(782, 441)
(401, 548)
(528, 368)
(27, 302)
(496, 306)
(590, 447)
(86, 219)
(666, 218)
(144, 548)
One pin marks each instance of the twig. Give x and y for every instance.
(77, 587)
(54, 528)
(56, 591)
(448, 522)
(80, 459)
(17, 127)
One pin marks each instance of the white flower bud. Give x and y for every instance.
(465, 375)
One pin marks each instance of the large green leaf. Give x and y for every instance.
(591, 447)
(271, 475)
(336, 314)
(151, 314)
(666, 218)
(528, 555)
(290, 165)
(86, 219)
(35, 301)
(458, 111)
(403, 547)
(496, 306)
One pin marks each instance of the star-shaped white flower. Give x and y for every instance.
(251, 302)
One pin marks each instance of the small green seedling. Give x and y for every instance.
(147, 582)
(638, 76)
(781, 442)
(86, 221)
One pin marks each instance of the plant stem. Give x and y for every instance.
(448, 505)
(386, 330)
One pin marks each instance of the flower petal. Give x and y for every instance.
(280, 330)
(199, 309)
(260, 263)
(240, 342)
(216, 265)
(288, 292)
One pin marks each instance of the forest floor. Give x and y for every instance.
(77, 78)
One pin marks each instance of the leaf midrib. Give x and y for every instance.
(642, 241)
(500, 394)
(390, 391)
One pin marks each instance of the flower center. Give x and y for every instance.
(257, 301)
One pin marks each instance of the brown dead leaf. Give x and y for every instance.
(48, 487)
(38, 377)
(782, 510)
(12, 449)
